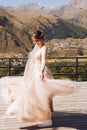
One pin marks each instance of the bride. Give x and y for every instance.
(30, 96)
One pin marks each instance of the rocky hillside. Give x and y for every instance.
(73, 7)
(79, 4)
(53, 26)
(12, 38)
(75, 12)
(17, 26)
(32, 7)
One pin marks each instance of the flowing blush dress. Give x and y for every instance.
(29, 97)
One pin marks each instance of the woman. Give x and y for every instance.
(30, 96)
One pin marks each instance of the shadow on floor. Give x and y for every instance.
(64, 119)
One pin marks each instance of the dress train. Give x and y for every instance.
(29, 97)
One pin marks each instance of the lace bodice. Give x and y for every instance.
(41, 56)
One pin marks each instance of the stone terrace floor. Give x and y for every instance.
(70, 113)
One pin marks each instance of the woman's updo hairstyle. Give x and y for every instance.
(39, 35)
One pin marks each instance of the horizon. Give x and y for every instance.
(45, 3)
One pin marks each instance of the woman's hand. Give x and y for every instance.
(42, 75)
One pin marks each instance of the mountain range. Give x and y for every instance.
(31, 7)
(18, 24)
(80, 4)
(75, 12)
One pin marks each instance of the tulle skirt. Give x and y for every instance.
(31, 99)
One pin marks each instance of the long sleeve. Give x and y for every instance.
(44, 57)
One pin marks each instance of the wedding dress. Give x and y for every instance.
(29, 97)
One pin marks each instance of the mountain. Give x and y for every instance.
(32, 7)
(17, 26)
(12, 37)
(80, 4)
(73, 7)
(79, 19)
(53, 26)
(75, 12)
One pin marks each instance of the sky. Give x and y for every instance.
(46, 3)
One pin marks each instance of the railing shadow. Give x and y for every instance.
(76, 121)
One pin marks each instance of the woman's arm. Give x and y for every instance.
(44, 58)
